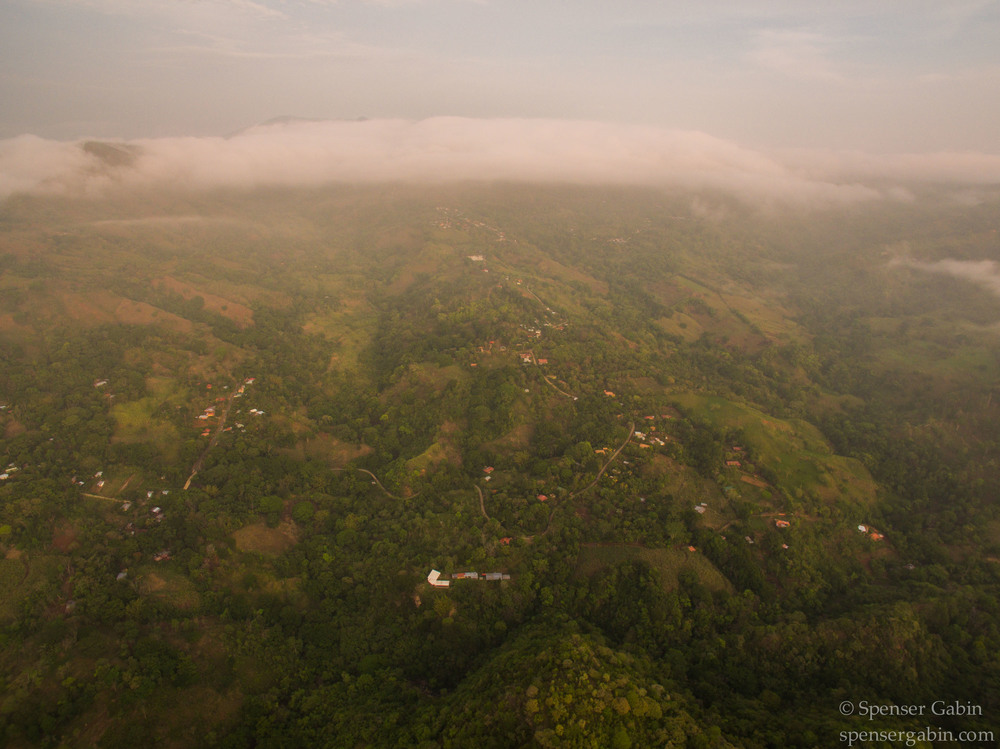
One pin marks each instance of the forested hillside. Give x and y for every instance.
(717, 469)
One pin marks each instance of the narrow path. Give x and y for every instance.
(27, 567)
(379, 483)
(98, 496)
(375, 481)
(547, 379)
(558, 389)
(213, 441)
(482, 505)
(114, 498)
(528, 289)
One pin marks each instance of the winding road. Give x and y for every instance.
(587, 488)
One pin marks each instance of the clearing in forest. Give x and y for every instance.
(668, 563)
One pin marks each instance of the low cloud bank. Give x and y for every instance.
(955, 167)
(443, 149)
(986, 273)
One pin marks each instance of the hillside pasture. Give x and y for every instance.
(322, 446)
(795, 451)
(136, 422)
(259, 538)
(168, 586)
(667, 563)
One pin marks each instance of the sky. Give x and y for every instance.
(790, 99)
(873, 75)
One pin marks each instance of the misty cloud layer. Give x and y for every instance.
(442, 149)
(985, 273)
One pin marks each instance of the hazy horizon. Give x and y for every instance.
(763, 99)
(883, 77)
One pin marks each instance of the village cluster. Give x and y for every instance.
(156, 512)
(453, 218)
(211, 411)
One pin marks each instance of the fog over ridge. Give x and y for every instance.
(985, 273)
(443, 149)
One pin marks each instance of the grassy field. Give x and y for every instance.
(261, 539)
(136, 423)
(351, 326)
(439, 452)
(325, 447)
(167, 585)
(688, 489)
(668, 563)
(738, 320)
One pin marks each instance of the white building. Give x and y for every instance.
(434, 578)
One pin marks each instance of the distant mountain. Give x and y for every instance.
(112, 155)
(291, 120)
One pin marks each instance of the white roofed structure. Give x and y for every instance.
(434, 578)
